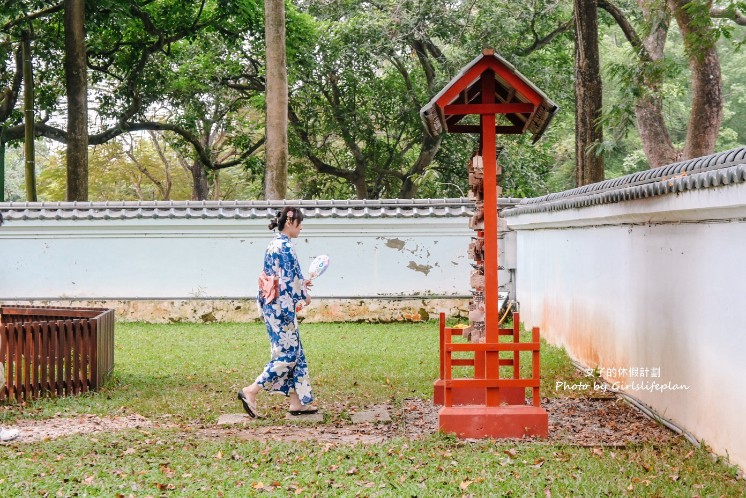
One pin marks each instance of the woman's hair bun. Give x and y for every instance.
(274, 222)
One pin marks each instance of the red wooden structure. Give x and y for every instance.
(54, 351)
(488, 405)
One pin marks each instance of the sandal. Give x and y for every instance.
(305, 411)
(248, 406)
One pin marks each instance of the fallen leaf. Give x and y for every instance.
(464, 484)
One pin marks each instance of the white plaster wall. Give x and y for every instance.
(221, 258)
(652, 283)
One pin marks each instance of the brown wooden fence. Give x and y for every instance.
(55, 351)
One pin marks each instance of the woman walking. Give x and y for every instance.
(282, 291)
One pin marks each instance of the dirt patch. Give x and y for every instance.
(40, 430)
(602, 422)
(575, 421)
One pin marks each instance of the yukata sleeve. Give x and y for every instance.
(303, 289)
(296, 280)
(272, 262)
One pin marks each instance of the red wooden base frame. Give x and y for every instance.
(475, 395)
(488, 406)
(509, 421)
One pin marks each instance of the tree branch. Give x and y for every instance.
(540, 43)
(58, 135)
(627, 28)
(9, 96)
(731, 13)
(319, 164)
(244, 155)
(31, 17)
(130, 153)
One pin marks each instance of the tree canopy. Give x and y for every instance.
(190, 77)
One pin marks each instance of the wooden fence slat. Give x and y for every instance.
(54, 357)
(18, 361)
(61, 344)
(75, 362)
(4, 358)
(96, 344)
(44, 357)
(88, 345)
(33, 359)
(68, 327)
(13, 364)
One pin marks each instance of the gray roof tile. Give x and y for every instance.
(123, 210)
(724, 168)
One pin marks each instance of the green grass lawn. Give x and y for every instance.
(188, 375)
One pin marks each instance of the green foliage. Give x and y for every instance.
(368, 83)
(137, 170)
(359, 73)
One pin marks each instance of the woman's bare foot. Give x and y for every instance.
(251, 391)
(298, 408)
(247, 397)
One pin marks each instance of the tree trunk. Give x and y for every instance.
(28, 118)
(276, 146)
(430, 147)
(707, 85)
(361, 187)
(588, 131)
(200, 187)
(651, 123)
(76, 85)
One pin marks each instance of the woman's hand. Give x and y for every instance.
(308, 284)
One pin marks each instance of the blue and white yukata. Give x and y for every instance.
(287, 370)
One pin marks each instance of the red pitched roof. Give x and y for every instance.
(525, 106)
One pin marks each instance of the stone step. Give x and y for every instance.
(375, 414)
(234, 419)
